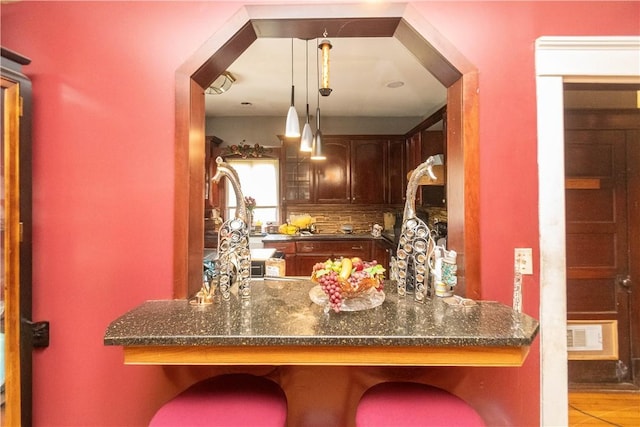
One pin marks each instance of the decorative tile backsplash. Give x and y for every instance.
(329, 218)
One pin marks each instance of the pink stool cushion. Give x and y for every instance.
(411, 404)
(226, 400)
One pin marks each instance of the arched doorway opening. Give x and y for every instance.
(401, 21)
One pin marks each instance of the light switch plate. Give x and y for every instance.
(524, 260)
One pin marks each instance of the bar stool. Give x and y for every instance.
(226, 400)
(404, 404)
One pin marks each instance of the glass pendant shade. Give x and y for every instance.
(292, 127)
(317, 152)
(306, 142)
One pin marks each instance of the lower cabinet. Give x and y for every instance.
(289, 251)
(382, 251)
(302, 255)
(309, 253)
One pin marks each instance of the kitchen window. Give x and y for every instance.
(258, 179)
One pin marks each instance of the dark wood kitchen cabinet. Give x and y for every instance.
(316, 181)
(296, 176)
(289, 251)
(396, 187)
(332, 176)
(381, 251)
(433, 143)
(359, 169)
(368, 171)
(310, 252)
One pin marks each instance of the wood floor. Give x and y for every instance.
(588, 408)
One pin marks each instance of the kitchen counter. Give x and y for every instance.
(322, 236)
(280, 325)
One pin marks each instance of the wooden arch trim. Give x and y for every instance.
(438, 58)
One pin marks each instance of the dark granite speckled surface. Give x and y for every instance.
(323, 236)
(281, 313)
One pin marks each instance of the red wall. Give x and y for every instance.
(103, 82)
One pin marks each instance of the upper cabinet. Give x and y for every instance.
(369, 171)
(357, 170)
(396, 192)
(333, 175)
(433, 143)
(296, 174)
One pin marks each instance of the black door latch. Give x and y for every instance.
(39, 333)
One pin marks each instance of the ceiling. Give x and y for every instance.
(360, 69)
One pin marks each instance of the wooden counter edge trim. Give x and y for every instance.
(325, 355)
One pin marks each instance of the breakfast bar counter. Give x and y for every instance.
(280, 325)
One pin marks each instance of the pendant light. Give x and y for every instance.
(325, 46)
(306, 142)
(292, 127)
(317, 152)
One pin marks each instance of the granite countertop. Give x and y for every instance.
(324, 236)
(280, 312)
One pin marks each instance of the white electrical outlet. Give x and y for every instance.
(524, 260)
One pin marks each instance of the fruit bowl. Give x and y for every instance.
(348, 284)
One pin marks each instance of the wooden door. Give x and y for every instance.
(332, 175)
(16, 239)
(599, 165)
(368, 171)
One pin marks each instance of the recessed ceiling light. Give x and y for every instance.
(246, 104)
(395, 84)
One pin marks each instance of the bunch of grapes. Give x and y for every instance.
(363, 271)
(330, 286)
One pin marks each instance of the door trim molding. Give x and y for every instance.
(559, 60)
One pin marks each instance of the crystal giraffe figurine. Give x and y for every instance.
(233, 239)
(415, 254)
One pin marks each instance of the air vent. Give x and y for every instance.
(584, 337)
(592, 339)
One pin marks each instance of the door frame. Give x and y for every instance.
(560, 60)
(398, 20)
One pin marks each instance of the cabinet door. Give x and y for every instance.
(381, 252)
(413, 158)
(332, 174)
(305, 263)
(368, 171)
(296, 175)
(396, 190)
(433, 143)
(289, 251)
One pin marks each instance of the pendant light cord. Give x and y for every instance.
(291, 62)
(306, 68)
(292, 86)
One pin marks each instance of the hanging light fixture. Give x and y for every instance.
(306, 142)
(317, 152)
(292, 127)
(325, 46)
(222, 84)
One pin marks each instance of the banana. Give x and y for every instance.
(347, 266)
